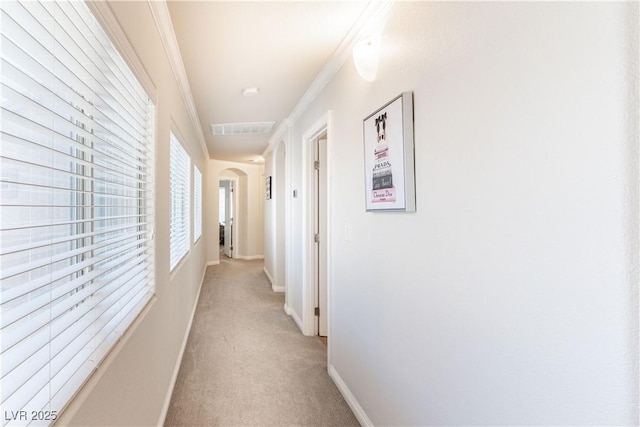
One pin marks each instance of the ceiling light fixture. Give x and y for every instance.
(250, 91)
(366, 55)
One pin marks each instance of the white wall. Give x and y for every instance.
(274, 218)
(281, 222)
(131, 387)
(270, 227)
(249, 218)
(511, 296)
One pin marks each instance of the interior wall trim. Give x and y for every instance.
(309, 262)
(268, 276)
(351, 400)
(274, 287)
(162, 18)
(249, 257)
(176, 369)
(291, 312)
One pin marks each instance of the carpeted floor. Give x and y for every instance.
(246, 362)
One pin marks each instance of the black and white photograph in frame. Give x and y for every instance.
(389, 156)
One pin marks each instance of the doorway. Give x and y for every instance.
(316, 310)
(320, 233)
(226, 216)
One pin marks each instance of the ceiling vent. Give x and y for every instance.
(242, 128)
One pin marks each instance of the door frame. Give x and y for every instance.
(234, 225)
(309, 290)
(320, 225)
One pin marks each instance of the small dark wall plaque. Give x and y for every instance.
(268, 187)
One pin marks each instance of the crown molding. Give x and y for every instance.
(277, 135)
(107, 20)
(161, 16)
(369, 22)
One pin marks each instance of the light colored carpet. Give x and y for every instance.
(246, 362)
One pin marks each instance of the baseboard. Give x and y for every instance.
(249, 257)
(351, 400)
(291, 312)
(213, 263)
(268, 276)
(176, 369)
(274, 287)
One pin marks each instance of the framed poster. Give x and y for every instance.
(268, 187)
(388, 156)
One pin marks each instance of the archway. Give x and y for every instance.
(231, 211)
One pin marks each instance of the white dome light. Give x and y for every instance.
(250, 91)
(366, 55)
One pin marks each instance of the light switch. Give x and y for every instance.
(347, 232)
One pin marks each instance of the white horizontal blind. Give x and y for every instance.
(179, 177)
(76, 207)
(197, 204)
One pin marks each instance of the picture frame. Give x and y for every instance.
(268, 187)
(389, 156)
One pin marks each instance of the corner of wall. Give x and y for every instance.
(291, 312)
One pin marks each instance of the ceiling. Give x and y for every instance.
(278, 47)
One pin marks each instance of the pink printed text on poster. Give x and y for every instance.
(383, 195)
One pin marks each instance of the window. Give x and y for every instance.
(179, 178)
(197, 204)
(76, 255)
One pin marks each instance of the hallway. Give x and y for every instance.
(473, 213)
(246, 362)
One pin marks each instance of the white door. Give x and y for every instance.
(228, 218)
(321, 232)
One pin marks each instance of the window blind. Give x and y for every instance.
(197, 204)
(179, 177)
(76, 203)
